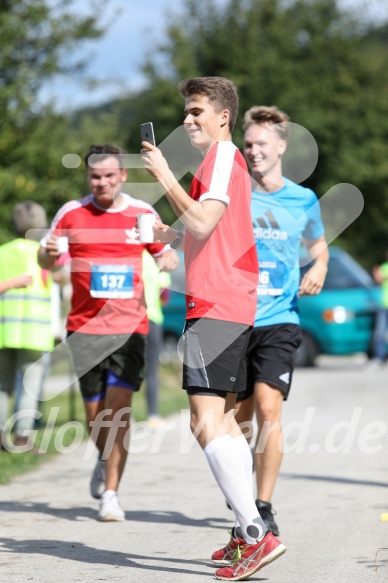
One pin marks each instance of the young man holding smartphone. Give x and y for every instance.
(221, 280)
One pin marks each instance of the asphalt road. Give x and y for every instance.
(331, 493)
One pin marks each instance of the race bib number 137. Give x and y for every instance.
(111, 281)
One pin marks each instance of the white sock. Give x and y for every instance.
(228, 469)
(246, 456)
(108, 494)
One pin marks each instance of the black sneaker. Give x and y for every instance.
(267, 514)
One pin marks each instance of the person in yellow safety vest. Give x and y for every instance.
(25, 324)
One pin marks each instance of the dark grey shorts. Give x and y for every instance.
(214, 356)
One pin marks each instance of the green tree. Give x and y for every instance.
(325, 66)
(38, 40)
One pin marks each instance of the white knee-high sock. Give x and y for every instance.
(246, 456)
(228, 469)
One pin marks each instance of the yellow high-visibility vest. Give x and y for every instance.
(154, 281)
(25, 313)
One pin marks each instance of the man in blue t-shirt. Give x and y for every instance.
(284, 214)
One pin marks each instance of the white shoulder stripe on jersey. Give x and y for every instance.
(70, 206)
(75, 204)
(66, 208)
(222, 170)
(215, 196)
(129, 201)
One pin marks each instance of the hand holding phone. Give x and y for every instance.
(147, 133)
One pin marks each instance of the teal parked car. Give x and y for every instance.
(339, 321)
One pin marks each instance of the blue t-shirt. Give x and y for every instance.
(280, 219)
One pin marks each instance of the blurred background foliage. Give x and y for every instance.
(325, 66)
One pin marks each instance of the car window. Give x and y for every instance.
(344, 273)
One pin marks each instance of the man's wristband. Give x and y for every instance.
(177, 240)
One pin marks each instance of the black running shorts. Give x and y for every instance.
(98, 357)
(271, 357)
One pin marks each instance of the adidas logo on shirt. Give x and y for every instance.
(268, 228)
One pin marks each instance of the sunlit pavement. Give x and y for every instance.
(331, 493)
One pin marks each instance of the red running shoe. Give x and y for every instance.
(225, 555)
(252, 558)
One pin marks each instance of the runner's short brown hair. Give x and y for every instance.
(221, 93)
(103, 151)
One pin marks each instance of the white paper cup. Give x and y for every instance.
(62, 244)
(145, 223)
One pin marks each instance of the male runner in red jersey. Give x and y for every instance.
(107, 324)
(221, 280)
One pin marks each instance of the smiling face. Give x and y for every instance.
(203, 123)
(263, 150)
(105, 179)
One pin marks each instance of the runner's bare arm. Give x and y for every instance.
(200, 218)
(314, 279)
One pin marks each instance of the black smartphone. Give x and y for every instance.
(147, 133)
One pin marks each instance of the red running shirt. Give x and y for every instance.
(106, 265)
(222, 270)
